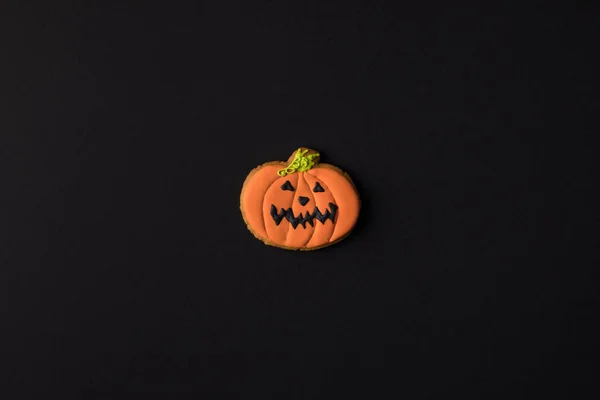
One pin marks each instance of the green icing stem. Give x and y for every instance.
(300, 163)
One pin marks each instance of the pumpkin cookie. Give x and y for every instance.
(299, 204)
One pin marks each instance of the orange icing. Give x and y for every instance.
(257, 183)
(345, 197)
(322, 231)
(263, 189)
(281, 199)
(300, 236)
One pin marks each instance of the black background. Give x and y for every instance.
(127, 130)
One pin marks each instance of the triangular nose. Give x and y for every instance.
(303, 200)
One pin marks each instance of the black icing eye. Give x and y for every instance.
(287, 186)
(318, 188)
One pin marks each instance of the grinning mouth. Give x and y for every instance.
(303, 219)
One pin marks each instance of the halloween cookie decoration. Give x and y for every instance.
(300, 204)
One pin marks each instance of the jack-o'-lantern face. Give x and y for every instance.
(303, 206)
